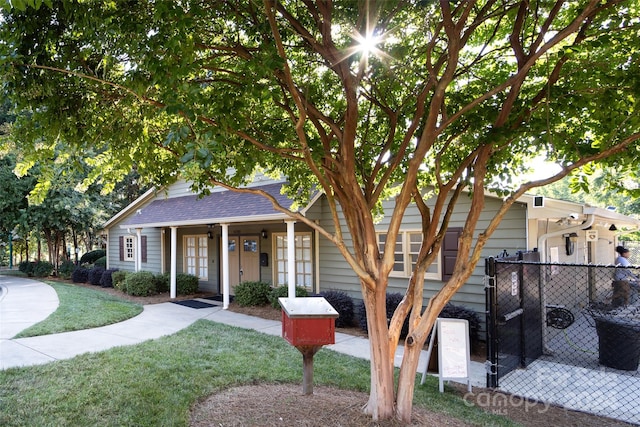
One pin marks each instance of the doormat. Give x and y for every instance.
(193, 303)
(218, 298)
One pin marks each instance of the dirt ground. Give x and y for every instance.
(257, 404)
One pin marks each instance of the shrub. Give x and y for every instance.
(66, 269)
(26, 267)
(101, 262)
(252, 294)
(392, 303)
(80, 275)
(41, 269)
(94, 276)
(118, 279)
(92, 256)
(186, 284)
(343, 304)
(162, 282)
(106, 281)
(283, 292)
(140, 283)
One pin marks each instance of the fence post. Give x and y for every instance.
(491, 322)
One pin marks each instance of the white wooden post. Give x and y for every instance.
(174, 261)
(291, 258)
(225, 266)
(138, 249)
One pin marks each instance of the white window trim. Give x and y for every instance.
(275, 261)
(125, 254)
(405, 238)
(197, 257)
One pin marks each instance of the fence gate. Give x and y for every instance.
(514, 314)
(567, 334)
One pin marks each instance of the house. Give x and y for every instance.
(227, 237)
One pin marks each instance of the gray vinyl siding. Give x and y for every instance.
(153, 249)
(336, 274)
(113, 250)
(334, 271)
(182, 188)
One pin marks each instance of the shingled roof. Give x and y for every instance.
(221, 206)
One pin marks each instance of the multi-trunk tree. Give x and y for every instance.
(361, 100)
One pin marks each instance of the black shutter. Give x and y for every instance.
(121, 241)
(450, 251)
(143, 243)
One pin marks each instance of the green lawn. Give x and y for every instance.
(156, 382)
(82, 308)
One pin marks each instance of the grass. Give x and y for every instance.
(82, 308)
(155, 383)
(17, 273)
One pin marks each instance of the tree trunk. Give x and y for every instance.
(412, 348)
(406, 381)
(48, 236)
(381, 399)
(88, 240)
(75, 246)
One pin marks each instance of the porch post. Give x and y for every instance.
(174, 262)
(225, 266)
(138, 249)
(316, 260)
(291, 258)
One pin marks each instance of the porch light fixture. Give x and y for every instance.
(263, 233)
(210, 232)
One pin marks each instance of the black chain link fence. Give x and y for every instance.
(565, 334)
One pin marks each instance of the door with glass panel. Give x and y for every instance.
(244, 260)
(196, 260)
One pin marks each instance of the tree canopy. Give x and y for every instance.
(363, 100)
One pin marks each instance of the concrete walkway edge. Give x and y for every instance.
(155, 321)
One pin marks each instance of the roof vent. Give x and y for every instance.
(538, 201)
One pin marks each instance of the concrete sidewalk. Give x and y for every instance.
(24, 302)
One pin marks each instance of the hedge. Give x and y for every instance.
(92, 256)
(140, 283)
(252, 294)
(283, 292)
(343, 304)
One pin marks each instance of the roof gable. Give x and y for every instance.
(220, 206)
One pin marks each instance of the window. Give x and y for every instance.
(304, 264)
(407, 248)
(127, 248)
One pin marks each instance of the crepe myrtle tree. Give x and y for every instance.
(423, 101)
